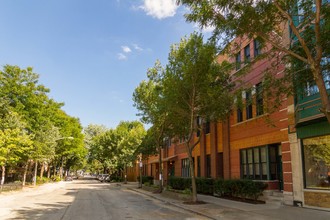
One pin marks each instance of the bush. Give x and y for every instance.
(146, 179)
(56, 178)
(239, 188)
(205, 186)
(116, 179)
(179, 183)
(42, 180)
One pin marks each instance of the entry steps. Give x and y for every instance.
(272, 197)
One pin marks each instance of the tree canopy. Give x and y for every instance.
(299, 29)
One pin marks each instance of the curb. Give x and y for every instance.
(171, 203)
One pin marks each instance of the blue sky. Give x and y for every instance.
(91, 54)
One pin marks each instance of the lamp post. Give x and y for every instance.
(140, 168)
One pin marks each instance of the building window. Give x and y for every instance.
(167, 142)
(310, 87)
(207, 127)
(260, 163)
(248, 101)
(317, 162)
(198, 166)
(257, 47)
(239, 115)
(238, 61)
(208, 166)
(247, 56)
(259, 99)
(185, 168)
(220, 165)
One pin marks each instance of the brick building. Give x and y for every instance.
(288, 148)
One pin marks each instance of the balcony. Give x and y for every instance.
(307, 110)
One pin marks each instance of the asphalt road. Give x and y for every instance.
(86, 199)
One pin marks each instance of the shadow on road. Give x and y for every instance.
(45, 211)
(56, 208)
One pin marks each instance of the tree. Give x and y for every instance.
(309, 25)
(149, 100)
(196, 90)
(30, 101)
(130, 138)
(14, 141)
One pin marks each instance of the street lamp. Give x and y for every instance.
(140, 169)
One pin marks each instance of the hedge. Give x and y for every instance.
(233, 188)
(146, 179)
(239, 188)
(204, 185)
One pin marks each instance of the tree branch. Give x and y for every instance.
(310, 59)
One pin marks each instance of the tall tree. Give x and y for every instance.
(309, 27)
(149, 100)
(14, 141)
(196, 90)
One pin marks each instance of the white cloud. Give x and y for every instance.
(137, 47)
(122, 56)
(126, 49)
(160, 8)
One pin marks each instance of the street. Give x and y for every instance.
(86, 199)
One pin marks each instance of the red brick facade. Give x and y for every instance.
(227, 139)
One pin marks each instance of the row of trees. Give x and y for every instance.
(179, 98)
(113, 150)
(34, 129)
(176, 99)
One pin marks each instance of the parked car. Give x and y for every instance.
(101, 177)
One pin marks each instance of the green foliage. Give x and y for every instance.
(179, 183)
(116, 179)
(306, 23)
(239, 188)
(116, 148)
(205, 186)
(146, 179)
(33, 126)
(42, 180)
(56, 178)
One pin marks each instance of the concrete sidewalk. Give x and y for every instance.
(216, 208)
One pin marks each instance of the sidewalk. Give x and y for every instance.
(216, 208)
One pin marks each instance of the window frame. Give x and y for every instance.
(264, 164)
(259, 99)
(257, 47)
(248, 105)
(238, 60)
(247, 53)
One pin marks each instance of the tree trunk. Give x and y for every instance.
(48, 171)
(35, 173)
(160, 168)
(192, 173)
(54, 167)
(25, 172)
(325, 109)
(2, 176)
(61, 168)
(42, 169)
(193, 180)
